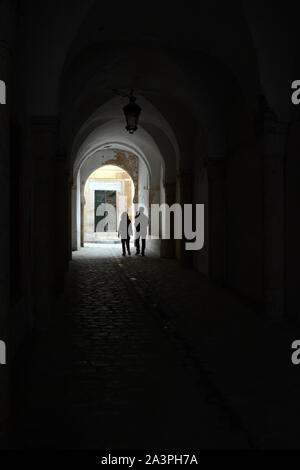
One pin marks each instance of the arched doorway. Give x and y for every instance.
(108, 169)
(108, 184)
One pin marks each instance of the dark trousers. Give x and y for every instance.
(137, 245)
(125, 244)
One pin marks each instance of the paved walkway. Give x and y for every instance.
(144, 354)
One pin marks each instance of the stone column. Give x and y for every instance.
(43, 139)
(60, 215)
(90, 214)
(274, 218)
(167, 248)
(217, 219)
(74, 228)
(82, 207)
(68, 221)
(184, 196)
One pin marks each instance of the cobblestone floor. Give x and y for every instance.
(133, 359)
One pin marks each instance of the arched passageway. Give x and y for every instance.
(217, 128)
(150, 156)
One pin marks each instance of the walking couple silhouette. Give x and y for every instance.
(141, 223)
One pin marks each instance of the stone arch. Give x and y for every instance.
(185, 94)
(117, 157)
(104, 151)
(203, 106)
(118, 184)
(154, 142)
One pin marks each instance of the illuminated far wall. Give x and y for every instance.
(106, 178)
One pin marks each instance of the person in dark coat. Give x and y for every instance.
(125, 231)
(141, 226)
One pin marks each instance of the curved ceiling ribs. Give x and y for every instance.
(182, 85)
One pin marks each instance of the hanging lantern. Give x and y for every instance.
(132, 112)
